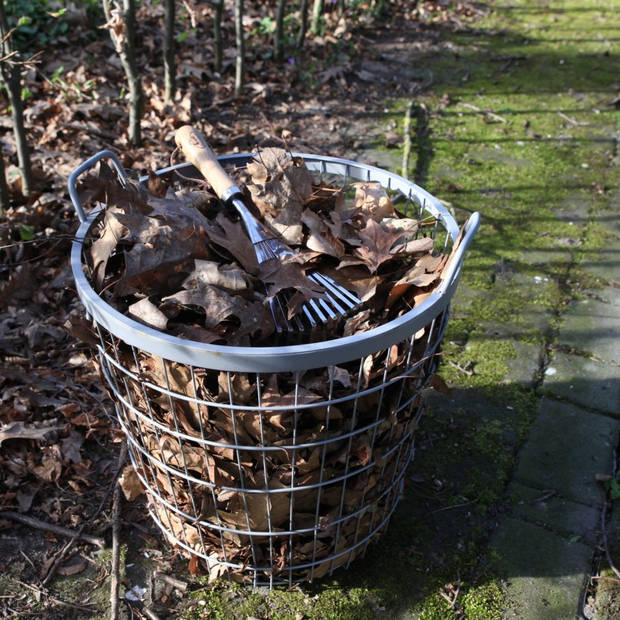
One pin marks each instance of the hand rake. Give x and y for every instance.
(338, 301)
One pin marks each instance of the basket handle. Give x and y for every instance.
(83, 167)
(452, 269)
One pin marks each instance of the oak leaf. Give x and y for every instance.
(377, 246)
(373, 200)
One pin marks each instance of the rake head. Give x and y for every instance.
(315, 313)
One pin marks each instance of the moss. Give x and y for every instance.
(607, 604)
(484, 602)
(80, 586)
(229, 601)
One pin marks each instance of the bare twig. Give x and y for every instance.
(450, 507)
(407, 139)
(115, 576)
(172, 581)
(544, 496)
(572, 121)
(446, 597)
(606, 542)
(39, 591)
(488, 113)
(605, 578)
(151, 615)
(465, 370)
(49, 527)
(63, 552)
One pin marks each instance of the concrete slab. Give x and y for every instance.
(566, 448)
(593, 326)
(544, 572)
(575, 521)
(609, 294)
(524, 367)
(533, 320)
(545, 258)
(585, 382)
(604, 263)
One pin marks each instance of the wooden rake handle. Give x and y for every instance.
(199, 153)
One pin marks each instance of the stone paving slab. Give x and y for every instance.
(546, 508)
(593, 326)
(544, 573)
(584, 382)
(566, 448)
(604, 263)
(609, 294)
(524, 366)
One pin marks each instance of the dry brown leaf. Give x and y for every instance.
(101, 249)
(227, 277)
(50, 467)
(130, 483)
(148, 313)
(78, 565)
(377, 246)
(71, 446)
(414, 246)
(373, 200)
(414, 277)
(321, 238)
(217, 304)
(280, 186)
(19, 430)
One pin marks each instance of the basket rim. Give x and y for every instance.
(289, 357)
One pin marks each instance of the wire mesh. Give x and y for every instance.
(231, 481)
(278, 465)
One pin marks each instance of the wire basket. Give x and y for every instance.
(274, 490)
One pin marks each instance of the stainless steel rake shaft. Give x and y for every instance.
(338, 301)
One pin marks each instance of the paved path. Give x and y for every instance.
(549, 541)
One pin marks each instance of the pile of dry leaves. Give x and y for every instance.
(180, 261)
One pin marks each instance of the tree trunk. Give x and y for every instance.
(278, 49)
(317, 14)
(303, 28)
(169, 63)
(127, 53)
(14, 91)
(10, 74)
(217, 34)
(4, 190)
(239, 64)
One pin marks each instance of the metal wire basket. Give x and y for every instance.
(274, 493)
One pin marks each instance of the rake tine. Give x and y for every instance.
(298, 322)
(334, 304)
(328, 309)
(282, 314)
(276, 322)
(331, 285)
(309, 316)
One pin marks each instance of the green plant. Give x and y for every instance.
(613, 488)
(37, 24)
(75, 91)
(266, 26)
(183, 35)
